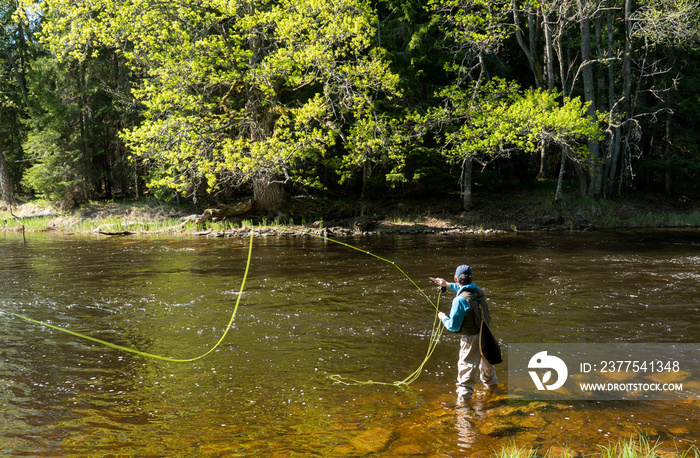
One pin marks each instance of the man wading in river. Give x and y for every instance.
(465, 320)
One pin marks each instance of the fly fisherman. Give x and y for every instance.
(465, 319)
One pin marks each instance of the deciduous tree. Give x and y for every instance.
(237, 92)
(605, 50)
(482, 117)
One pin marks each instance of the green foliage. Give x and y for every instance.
(373, 139)
(55, 171)
(239, 92)
(664, 22)
(634, 447)
(204, 97)
(432, 178)
(513, 451)
(496, 118)
(639, 446)
(472, 27)
(69, 143)
(15, 56)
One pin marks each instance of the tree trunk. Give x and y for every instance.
(626, 90)
(558, 195)
(564, 63)
(583, 178)
(602, 102)
(549, 76)
(548, 49)
(589, 94)
(543, 160)
(366, 175)
(615, 142)
(467, 183)
(268, 195)
(528, 50)
(667, 154)
(5, 183)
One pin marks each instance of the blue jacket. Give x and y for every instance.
(460, 307)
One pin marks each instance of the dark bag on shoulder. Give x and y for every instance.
(488, 345)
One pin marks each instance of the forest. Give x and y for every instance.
(213, 100)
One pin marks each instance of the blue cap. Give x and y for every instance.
(463, 269)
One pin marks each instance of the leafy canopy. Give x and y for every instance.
(234, 91)
(498, 117)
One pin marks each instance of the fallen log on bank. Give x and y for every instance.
(99, 231)
(219, 213)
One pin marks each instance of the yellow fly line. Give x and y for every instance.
(435, 333)
(151, 355)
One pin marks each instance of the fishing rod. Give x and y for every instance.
(435, 333)
(385, 260)
(433, 279)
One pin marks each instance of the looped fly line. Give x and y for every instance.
(435, 333)
(151, 355)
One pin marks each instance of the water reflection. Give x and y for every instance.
(312, 309)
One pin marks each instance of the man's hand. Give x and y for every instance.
(441, 282)
(441, 316)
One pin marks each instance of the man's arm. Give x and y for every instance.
(454, 321)
(444, 283)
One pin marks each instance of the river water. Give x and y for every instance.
(312, 309)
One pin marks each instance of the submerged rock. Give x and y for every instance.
(500, 428)
(557, 451)
(408, 450)
(551, 220)
(373, 441)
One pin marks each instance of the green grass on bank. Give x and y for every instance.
(634, 212)
(640, 446)
(524, 209)
(133, 216)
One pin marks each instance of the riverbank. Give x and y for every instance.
(527, 210)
